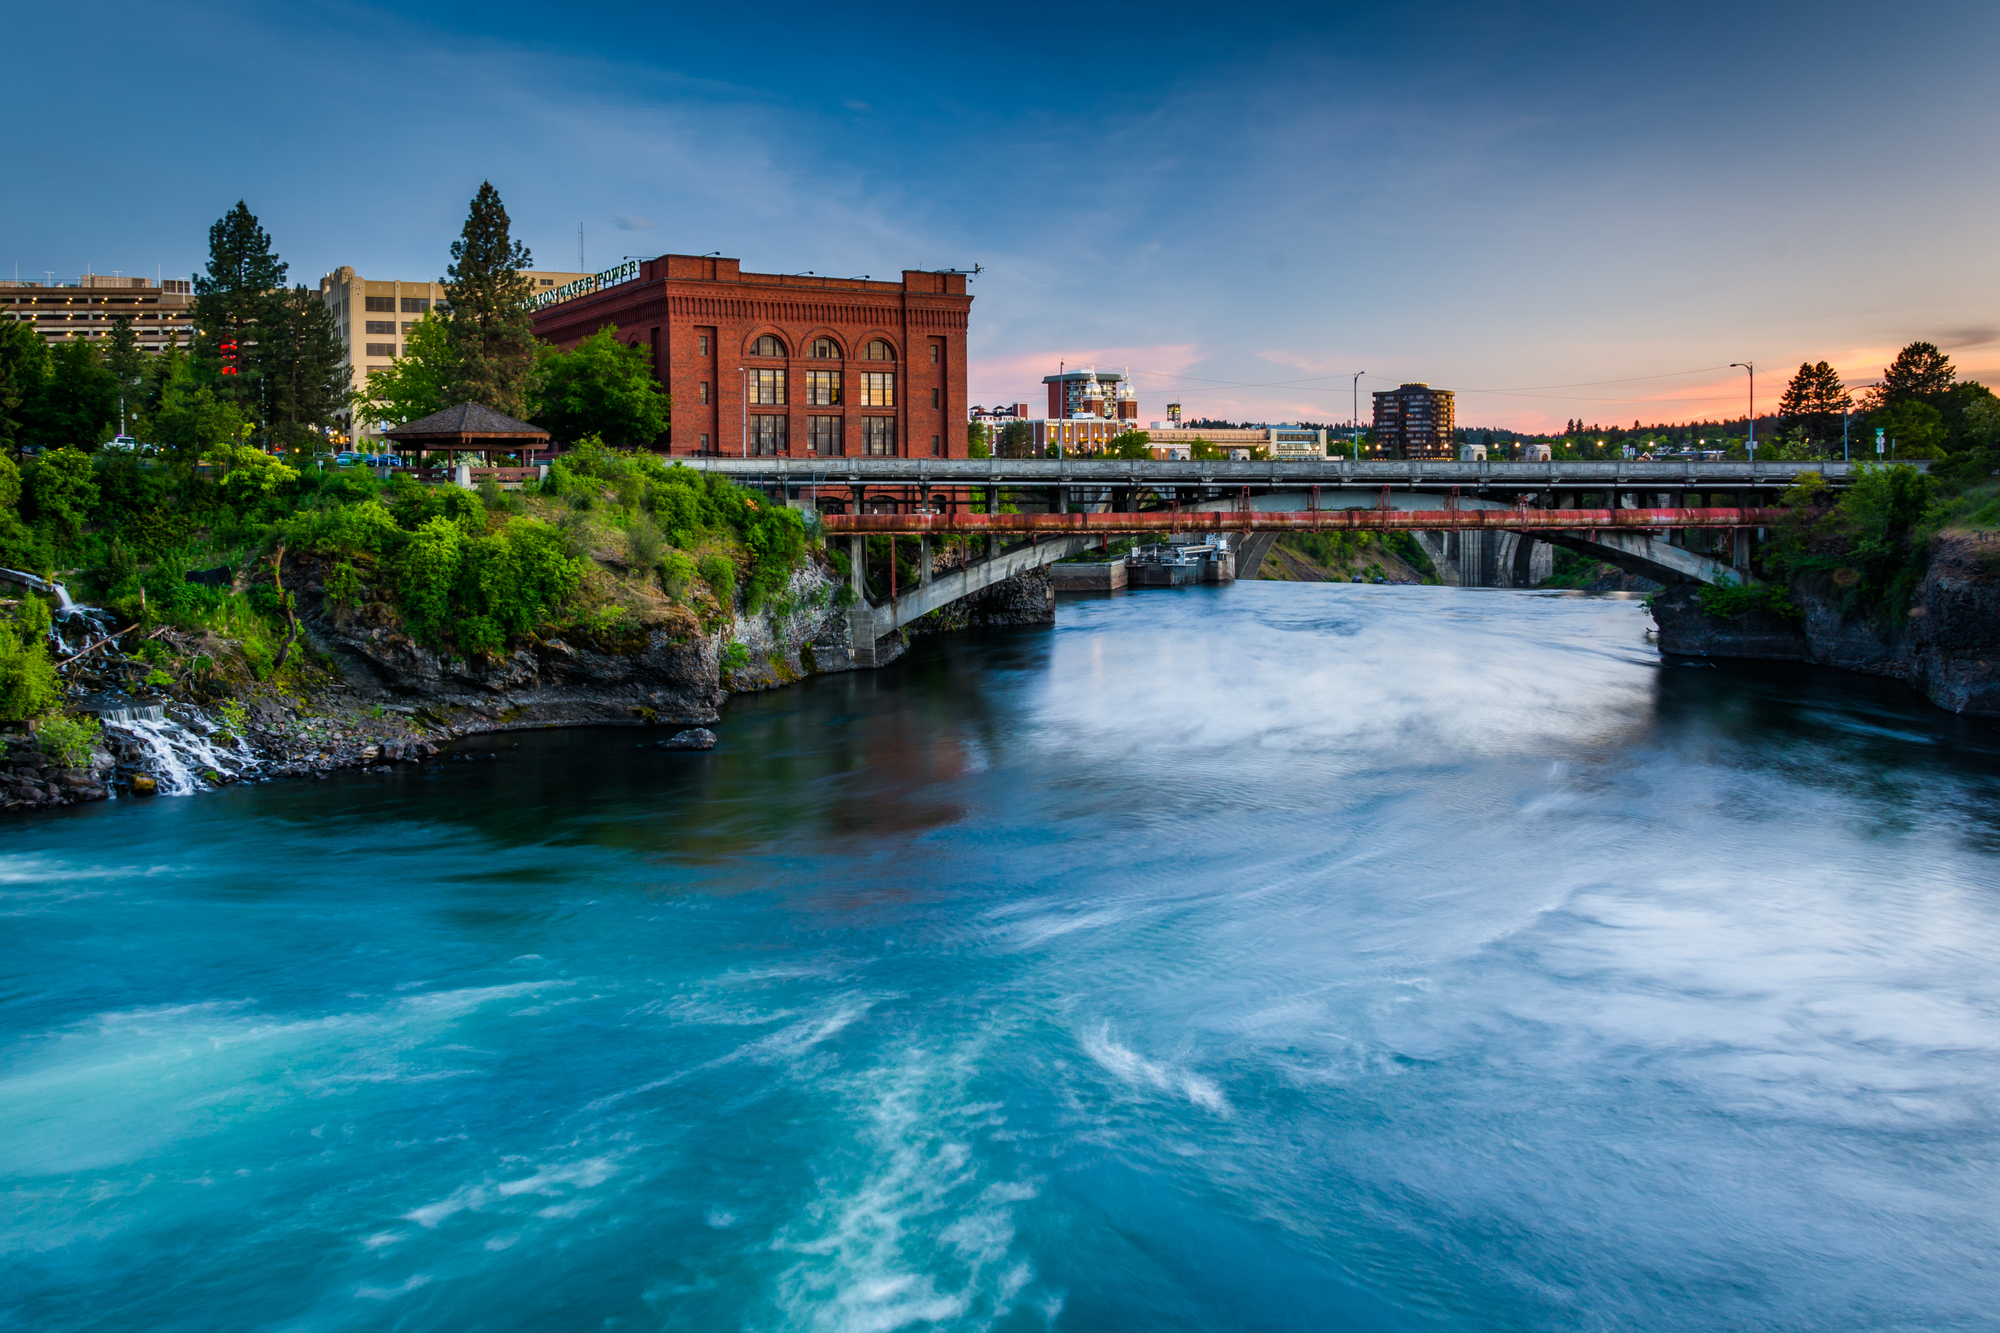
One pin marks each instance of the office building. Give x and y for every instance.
(1414, 421)
(371, 316)
(787, 364)
(86, 307)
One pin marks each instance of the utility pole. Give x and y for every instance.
(1356, 424)
(1752, 368)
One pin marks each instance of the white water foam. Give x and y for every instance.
(181, 752)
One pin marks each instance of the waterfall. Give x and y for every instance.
(179, 746)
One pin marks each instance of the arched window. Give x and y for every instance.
(825, 349)
(767, 346)
(878, 350)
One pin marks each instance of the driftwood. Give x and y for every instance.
(91, 648)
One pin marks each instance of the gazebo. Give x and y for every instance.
(470, 428)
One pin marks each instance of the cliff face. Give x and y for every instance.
(1949, 647)
(665, 670)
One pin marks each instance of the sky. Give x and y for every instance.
(1556, 210)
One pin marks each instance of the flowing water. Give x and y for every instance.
(1256, 957)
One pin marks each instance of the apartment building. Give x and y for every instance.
(1414, 421)
(86, 307)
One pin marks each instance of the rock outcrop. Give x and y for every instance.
(1948, 646)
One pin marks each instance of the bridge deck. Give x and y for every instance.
(1285, 473)
(1305, 520)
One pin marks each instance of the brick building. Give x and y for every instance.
(1414, 421)
(1092, 393)
(772, 363)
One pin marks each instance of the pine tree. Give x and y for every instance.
(492, 329)
(240, 295)
(306, 381)
(127, 364)
(24, 364)
(1814, 402)
(1921, 372)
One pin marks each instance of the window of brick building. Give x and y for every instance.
(701, 345)
(416, 305)
(822, 388)
(824, 349)
(934, 353)
(767, 346)
(380, 304)
(704, 444)
(704, 391)
(767, 435)
(937, 446)
(878, 388)
(767, 386)
(878, 435)
(379, 349)
(878, 350)
(934, 394)
(379, 326)
(823, 435)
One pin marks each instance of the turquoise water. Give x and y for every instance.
(1263, 957)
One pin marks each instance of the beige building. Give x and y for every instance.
(372, 316)
(161, 312)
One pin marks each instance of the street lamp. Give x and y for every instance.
(1357, 414)
(1750, 366)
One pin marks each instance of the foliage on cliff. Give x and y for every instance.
(1870, 546)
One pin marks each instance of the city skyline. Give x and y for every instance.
(1553, 213)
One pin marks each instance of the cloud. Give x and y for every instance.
(1974, 336)
(627, 222)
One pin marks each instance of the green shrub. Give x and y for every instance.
(735, 656)
(233, 718)
(29, 685)
(644, 538)
(677, 573)
(720, 576)
(1727, 601)
(68, 741)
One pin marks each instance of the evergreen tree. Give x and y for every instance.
(1921, 373)
(234, 303)
(1814, 403)
(24, 364)
(78, 401)
(127, 364)
(305, 372)
(492, 329)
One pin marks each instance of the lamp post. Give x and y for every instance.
(1752, 368)
(1356, 424)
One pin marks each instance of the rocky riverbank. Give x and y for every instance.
(1948, 646)
(377, 697)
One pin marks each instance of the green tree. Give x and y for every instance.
(600, 387)
(234, 303)
(24, 364)
(1813, 403)
(305, 370)
(975, 441)
(1130, 444)
(127, 364)
(492, 329)
(64, 488)
(417, 383)
(1914, 429)
(1016, 439)
(1921, 373)
(78, 400)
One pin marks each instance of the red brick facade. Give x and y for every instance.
(703, 321)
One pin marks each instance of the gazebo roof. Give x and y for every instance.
(467, 426)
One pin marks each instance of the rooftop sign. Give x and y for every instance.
(611, 277)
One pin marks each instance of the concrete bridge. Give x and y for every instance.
(1484, 523)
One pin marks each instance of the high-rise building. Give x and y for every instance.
(1092, 393)
(1414, 421)
(85, 307)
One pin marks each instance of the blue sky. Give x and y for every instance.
(1557, 210)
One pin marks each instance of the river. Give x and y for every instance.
(1260, 957)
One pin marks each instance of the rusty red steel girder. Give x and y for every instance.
(1300, 520)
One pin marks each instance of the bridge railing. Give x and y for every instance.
(1302, 520)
